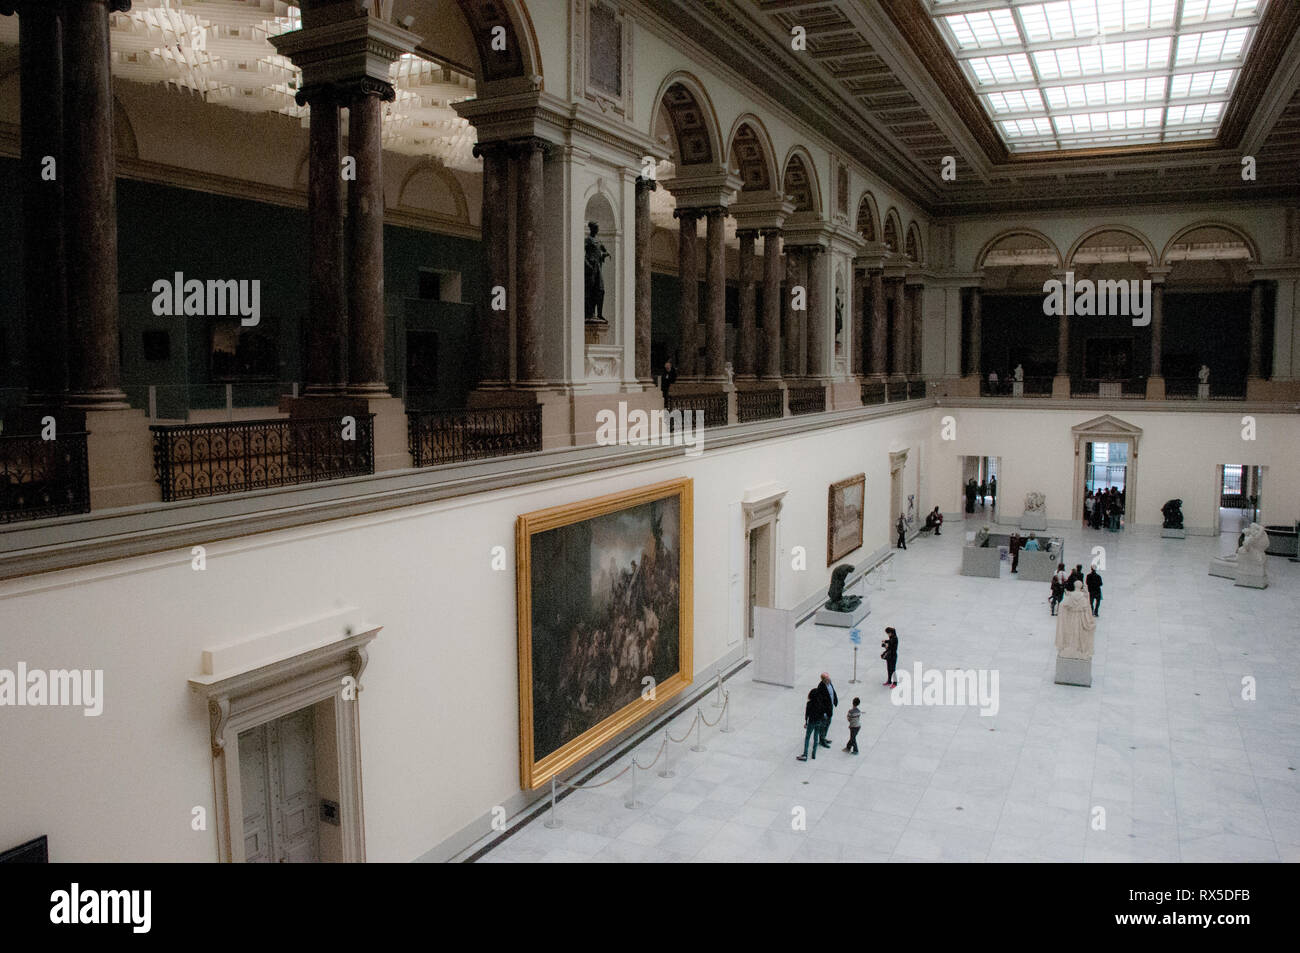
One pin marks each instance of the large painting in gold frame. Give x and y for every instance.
(845, 504)
(604, 600)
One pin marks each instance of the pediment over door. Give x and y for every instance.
(1108, 429)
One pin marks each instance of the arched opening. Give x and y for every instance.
(913, 250)
(868, 216)
(800, 185)
(751, 158)
(892, 232)
(1013, 330)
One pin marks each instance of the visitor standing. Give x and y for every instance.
(1076, 576)
(855, 725)
(812, 721)
(1094, 589)
(1088, 504)
(890, 655)
(902, 532)
(829, 700)
(1058, 587)
(993, 491)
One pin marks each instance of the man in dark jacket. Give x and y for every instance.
(901, 526)
(1094, 589)
(828, 700)
(1076, 576)
(890, 655)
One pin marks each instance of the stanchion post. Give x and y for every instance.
(631, 801)
(699, 719)
(667, 771)
(553, 821)
(717, 698)
(726, 714)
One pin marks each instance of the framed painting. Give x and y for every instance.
(604, 615)
(844, 517)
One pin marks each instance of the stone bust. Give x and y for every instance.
(1173, 511)
(836, 600)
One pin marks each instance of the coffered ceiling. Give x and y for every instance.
(891, 83)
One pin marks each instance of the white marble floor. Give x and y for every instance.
(1162, 759)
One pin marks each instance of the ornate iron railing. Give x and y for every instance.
(43, 478)
(873, 392)
(754, 405)
(714, 406)
(1033, 387)
(896, 390)
(192, 460)
(807, 400)
(456, 436)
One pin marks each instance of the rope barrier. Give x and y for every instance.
(553, 821)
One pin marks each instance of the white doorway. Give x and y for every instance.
(277, 778)
(1238, 498)
(761, 578)
(984, 474)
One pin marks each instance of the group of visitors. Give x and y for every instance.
(1018, 543)
(981, 492)
(822, 701)
(1062, 584)
(1103, 509)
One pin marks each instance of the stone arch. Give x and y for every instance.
(868, 221)
(693, 122)
(799, 181)
(1118, 229)
(914, 248)
(1212, 225)
(521, 56)
(992, 245)
(892, 232)
(415, 192)
(752, 154)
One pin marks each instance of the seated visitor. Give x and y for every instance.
(933, 520)
(1031, 545)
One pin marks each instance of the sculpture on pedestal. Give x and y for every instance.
(594, 255)
(1075, 625)
(1020, 373)
(1035, 502)
(1173, 511)
(836, 600)
(1247, 566)
(1203, 375)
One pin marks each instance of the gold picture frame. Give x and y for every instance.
(835, 499)
(634, 507)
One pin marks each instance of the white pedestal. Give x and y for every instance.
(1034, 521)
(845, 620)
(1173, 533)
(1202, 391)
(1074, 671)
(1017, 388)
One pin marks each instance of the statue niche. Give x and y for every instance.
(837, 601)
(594, 257)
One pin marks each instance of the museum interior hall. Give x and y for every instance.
(422, 423)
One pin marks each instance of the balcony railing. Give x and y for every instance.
(43, 478)
(1188, 388)
(873, 392)
(895, 391)
(192, 460)
(713, 406)
(1031, 387)
(456, 436)
(754, 405)
(807, 400)
(1131, 388)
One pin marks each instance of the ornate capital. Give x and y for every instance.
(684, 214)
(119, 6)
(646, 185)
(318, 94)
(366, 86)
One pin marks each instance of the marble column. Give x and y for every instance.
(530, 260)
(1063, 346)
(771, 304)
(907, 295)
(974, 354)
(644, 227)
(898, 291)
(792, 364)
(1155, 375)
(366, 238)
(40, 52)
(879, 325)
(494, 326)
(1256, 330)
(918, 329)
(327, 353)
(688, 270)
(817, 332)
(747, 328)
(90, 207)
(859, 344)
(715, 294)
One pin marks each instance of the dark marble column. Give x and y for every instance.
(898, 291)
(747, 328)
(1063, 346)
(366, 238)
(1157, 329)
(771, 304)
(974, 354)
(792, 334)
(715, 295)
(879, 325)
(494, 326)
(688, 270)
(90, 207)
(907, 295)
(1256, 330)
(327, 350)
(918, 329)
(530, 260)
(44, 273)
(817, 331)
(644, 187)
(858, 350)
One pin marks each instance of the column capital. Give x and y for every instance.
(751, 233)
(644, 184)
(682, 214)
(1158, 275)
(365, 86)
(319, 94)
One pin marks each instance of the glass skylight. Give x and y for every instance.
(1076, 74)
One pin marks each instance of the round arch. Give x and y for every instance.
(892, 231)
(692, 118)
(440, 175)
(1236, 230)
(868, 220)
(521, 56)
(751, 147)
(997, 239)
(799, 180)
(915, 248)
(1102, 229)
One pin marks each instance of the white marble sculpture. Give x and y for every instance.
(1203, 374)
(1035, 502)
(1020, 372)
(1246, 567)
(1075, 625)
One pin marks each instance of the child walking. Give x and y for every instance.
(855, 723)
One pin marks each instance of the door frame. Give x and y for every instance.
(246, 699)
(1106, 429)
(762, 508)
